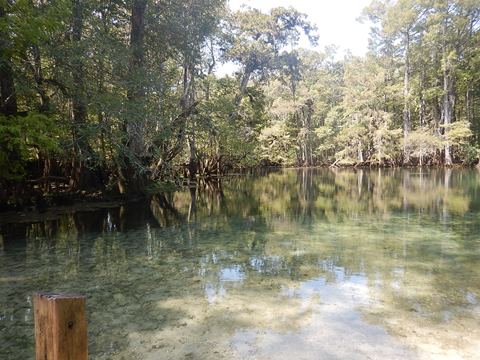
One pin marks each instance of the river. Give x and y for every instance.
(289, 264)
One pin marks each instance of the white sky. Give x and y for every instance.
(336, 20)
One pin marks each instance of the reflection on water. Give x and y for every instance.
(307, 264)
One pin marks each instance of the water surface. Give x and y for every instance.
(292, 264)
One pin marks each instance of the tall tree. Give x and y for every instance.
(132, 172)
(8, 96)
(257, 40)
(82, 175)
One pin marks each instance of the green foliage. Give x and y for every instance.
(257, 41)
(423, 143)
(23, 139)
(470, 154)
(235, 140)
(385, 140)
(277, 145)
(457, 133)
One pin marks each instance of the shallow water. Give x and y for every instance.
(292, 264)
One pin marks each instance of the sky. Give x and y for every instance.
(336, 20)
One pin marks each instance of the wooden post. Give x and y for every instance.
(60, 327)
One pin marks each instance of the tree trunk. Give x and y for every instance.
(136, 91)
(188, 98)
(360, 153)
(423, 105)
(39, 80)
(243, 85)
(192, 159)
(406, 83)
(132, 179)
(8, 97)
(211, 67)
(468, 105)
(82, 175)
(448, 96)
(308, 132)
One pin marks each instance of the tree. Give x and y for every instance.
(257, 41)
(8, 96)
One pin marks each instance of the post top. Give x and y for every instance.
(58, 296)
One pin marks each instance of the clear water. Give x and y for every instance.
(293, 264)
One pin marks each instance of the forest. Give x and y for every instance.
(128, 97)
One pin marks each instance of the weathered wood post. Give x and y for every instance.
(60, 327)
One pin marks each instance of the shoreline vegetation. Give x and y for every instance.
(111, 101)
